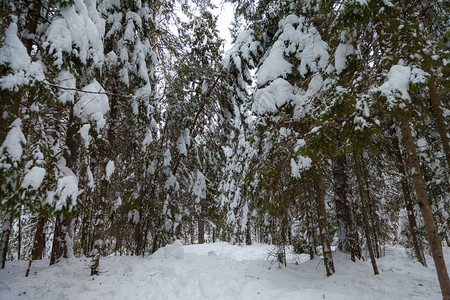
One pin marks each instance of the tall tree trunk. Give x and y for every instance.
(323, 227)
(38, 242)
(32, 20)
(310, 231)
(19, 235)
(408, 203)
(425, 208)
(340, 199)
(248, 234)
(437, 109)
(84, 239)
(4, 241)
(367, 229)
(62, 239)
(98, 242)
(355, 249)
(137, 237)
(374, 220)
(201, 231)
(39, 238)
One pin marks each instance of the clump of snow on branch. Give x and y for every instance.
(199, 188)
(245, 48)
(397, 85)
(66, 192)
(92, 105)
(110, 168)
(12, 148)
(301, 42)
(340, 56)
(14, 55)
(33, 178)
(74, 27)
(67, 81)
(275, 95)
(299, 165)
(84, 133)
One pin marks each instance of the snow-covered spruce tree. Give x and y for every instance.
(343, 123)
(374, 30)
(410, 81)
(193, 123)
(21, 76)
(295, 53)
(128, 76)
(76, 58)
(238, 150)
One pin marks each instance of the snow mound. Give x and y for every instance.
(236, 272)
(170, 251)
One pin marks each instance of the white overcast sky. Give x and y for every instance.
(225, 12)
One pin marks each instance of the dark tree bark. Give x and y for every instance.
(32, 20)
(38, 242)
(137, 237)
(408, 203)
(248, 234)
(201, 231)
(323, 227)
(341, 202)
(437, 109)
(374, 222)
(4, 241)
(362, 194)
(310, 231)
(355, 248)
(425, 207)
(62, 246)
(39, 239)
(19, 236)
(62, 239)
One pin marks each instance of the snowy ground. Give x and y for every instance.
(222, 271)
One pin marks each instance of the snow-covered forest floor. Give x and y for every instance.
(222, 271)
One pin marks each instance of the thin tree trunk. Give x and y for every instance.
(84, 239)
(4, 241)
(62, 240)
(340, 199)
(138, 235)
(374, 220)
(367, 230)
(155, 244)
(192, 231)
(201, 231)
(408, 203)
(425, 208)
(97, 248)
(248, 234)
(39, 239)
(19, 236)
(38, 242)
(437, 109)
(32, 20)
(323, 227)
(355, 249)
(98, 243)
(310, 232)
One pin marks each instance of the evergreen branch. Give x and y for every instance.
(91, 92)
